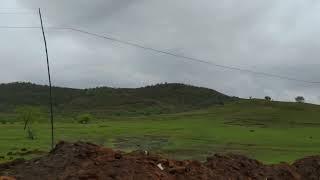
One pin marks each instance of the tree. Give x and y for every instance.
(268, 98)
(300, 99)
(28, 114)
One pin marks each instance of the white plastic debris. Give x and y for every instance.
(160, 167)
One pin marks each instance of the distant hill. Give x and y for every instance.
(157, 99)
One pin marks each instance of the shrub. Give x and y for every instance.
(30, 134)
(28, 114)
(84, 118)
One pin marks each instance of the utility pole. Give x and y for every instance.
(49, 76)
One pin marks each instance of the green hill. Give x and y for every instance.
(157, 99)
(178, 120)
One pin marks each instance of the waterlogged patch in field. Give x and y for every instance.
(245, 122)
(147, 142)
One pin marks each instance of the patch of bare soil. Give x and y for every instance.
(88, 161)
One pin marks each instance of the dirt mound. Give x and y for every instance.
(88, 161)
(309, 167)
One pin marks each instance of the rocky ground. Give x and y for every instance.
(88, 161)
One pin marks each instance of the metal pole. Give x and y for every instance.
(49, 76)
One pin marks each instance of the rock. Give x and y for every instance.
(160, 167)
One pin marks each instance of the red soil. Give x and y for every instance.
(88, 161)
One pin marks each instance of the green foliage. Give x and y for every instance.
(84, 118)
(300, 99)
(30, 133)
(267, 98)
(271, 132)
(101, 101)
(185, 121)
(28, 115)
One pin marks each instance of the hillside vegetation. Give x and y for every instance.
(183, 122)
(157, 99)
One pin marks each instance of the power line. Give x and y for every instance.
(19, 27)
(193, 59)
(29, 9)
(18, 13)
(14, 11)
(33, 27)
(233, 68)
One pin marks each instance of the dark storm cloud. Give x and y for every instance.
(279, 37)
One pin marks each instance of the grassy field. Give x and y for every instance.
(268, 131)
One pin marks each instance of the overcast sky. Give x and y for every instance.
(274, 36)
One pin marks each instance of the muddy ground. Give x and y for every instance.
(88, 161)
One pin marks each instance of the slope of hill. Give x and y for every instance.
(268, 131)
(157, 99)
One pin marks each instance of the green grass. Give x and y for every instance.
(268, 131)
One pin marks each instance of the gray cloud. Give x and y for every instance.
(273, 36)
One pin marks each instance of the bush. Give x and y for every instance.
(84, 118)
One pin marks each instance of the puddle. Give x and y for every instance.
(147, 142)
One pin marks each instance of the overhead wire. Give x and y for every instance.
(9, 11)
(30, 13)
(19, 27)
(187, 58)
